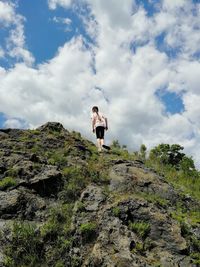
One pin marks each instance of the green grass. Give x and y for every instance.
(7, 182)
(25, 248)
(141, 228)
(116, 211)
(154, 198)
(57, 158)
(58, 222)
(189, 185)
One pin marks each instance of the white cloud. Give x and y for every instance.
(123, 83)
(13, 123)
(64, 21)
(15, 42)
(175, 4)
(7, 13)
(54, 91)
(63, 3)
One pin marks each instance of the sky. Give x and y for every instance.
(137, 60)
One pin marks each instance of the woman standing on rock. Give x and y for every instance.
(99, 125)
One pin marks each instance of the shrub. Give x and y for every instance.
(142, 153)
(177, 168)
(7, 182)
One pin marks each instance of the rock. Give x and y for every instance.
(14, 133)
(51, 126)
(9, 203)
(127, 222)
(92, 197)
(46, 183)
(20, 203)
(3, 135)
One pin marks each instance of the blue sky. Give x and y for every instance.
(142, 54)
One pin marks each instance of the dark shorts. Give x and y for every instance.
(100, 132)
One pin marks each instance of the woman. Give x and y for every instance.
(99, 125)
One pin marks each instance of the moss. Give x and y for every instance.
(7, 182)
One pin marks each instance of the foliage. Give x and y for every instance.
(88, 231)
(115, 144)
(25, 248)
(142, 153)
(116, 211)
(57, 158)
(169, 161)
(7, 182)
(58, 222)
(142, 228)
(60, 264)
(75, 180)
(154, 198)
(168, 154)
(139, 247)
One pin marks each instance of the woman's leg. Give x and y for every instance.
(99, 146)
(100, 137)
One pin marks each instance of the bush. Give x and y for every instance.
(177, 168)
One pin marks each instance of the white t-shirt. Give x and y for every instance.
(98, 119)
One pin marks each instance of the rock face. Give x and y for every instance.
(107, 211)
(131, 230)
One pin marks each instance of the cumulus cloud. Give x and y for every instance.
(53, 91)
(120, 72)
(15, 43)
(14, 123)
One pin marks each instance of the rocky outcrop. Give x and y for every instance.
(131, 231)
(123, 217)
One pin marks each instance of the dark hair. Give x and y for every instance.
(95, 109)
